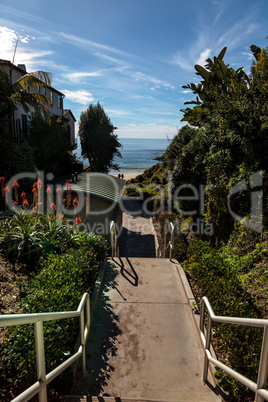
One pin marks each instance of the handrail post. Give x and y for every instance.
(171, 226)
(115, 242)
(82, 340)
(207, 347)
(165, 240)
(88, 312)
(202, 316)
(263, 366)
(40, 359)
(113, 238)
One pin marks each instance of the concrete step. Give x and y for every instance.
(79, 398)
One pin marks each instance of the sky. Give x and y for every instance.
(132, 56)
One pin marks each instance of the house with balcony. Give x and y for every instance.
(19, 124)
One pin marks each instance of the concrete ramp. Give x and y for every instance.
(144, 344)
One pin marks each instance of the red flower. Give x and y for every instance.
(53, 206)
(6, 189)
(34, 208)
(35, 185)
(15, 203)
(48, 190)
(25, 203)
(39, 182)
(78, 220)
(58, 191)
(23, 195)
(75, 202)
(15, 184)
(2, 179)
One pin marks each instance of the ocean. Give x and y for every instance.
(138, 154)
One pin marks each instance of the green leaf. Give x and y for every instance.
(203, 72)
(222, 53)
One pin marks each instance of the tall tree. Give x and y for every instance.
(49, 140)
(99, 143)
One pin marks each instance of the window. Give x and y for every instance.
(59, 102)
(44, 90)
(39, 88)
(51, 98)
(24, 125)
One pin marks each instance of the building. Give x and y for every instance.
(69, 118)
(18, 125)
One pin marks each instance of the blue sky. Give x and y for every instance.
(133, 56)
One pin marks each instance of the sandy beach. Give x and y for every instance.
(128, 174)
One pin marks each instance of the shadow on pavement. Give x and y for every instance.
(102, 341)
(135, 244)
(129, 272)
(134, 207)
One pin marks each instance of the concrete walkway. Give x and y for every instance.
(137, 237)
(143, 344)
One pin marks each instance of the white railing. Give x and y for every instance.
(37, 319)
(113, 239)
(169, 228)
(258, 388)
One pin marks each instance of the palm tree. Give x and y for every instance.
(21, 93)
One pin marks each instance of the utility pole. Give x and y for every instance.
(15, 50)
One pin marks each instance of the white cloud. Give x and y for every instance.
(182, 62)
(88, 44)
(110, 60)
(203, 57)
(138, 76)
(147, 130)
(249, 55)
(116, 112)
(24, 54)
(83, 97)
(8, 38)
(211, 38)
(80, 75)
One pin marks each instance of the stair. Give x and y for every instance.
(143, 344)
(111, 399)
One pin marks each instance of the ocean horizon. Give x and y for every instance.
(138, 154)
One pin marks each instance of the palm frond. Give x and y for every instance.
(34, 79)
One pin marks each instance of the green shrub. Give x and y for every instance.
(26, 237)
(58, 286)
(216, 274)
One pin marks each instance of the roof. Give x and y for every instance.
(66, 111)
(101, 185)
(8, 63)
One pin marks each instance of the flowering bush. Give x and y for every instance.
(57, 286)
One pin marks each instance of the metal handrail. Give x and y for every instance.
(43, 379)
(258, 388)
(113, 234)
(169, 228)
